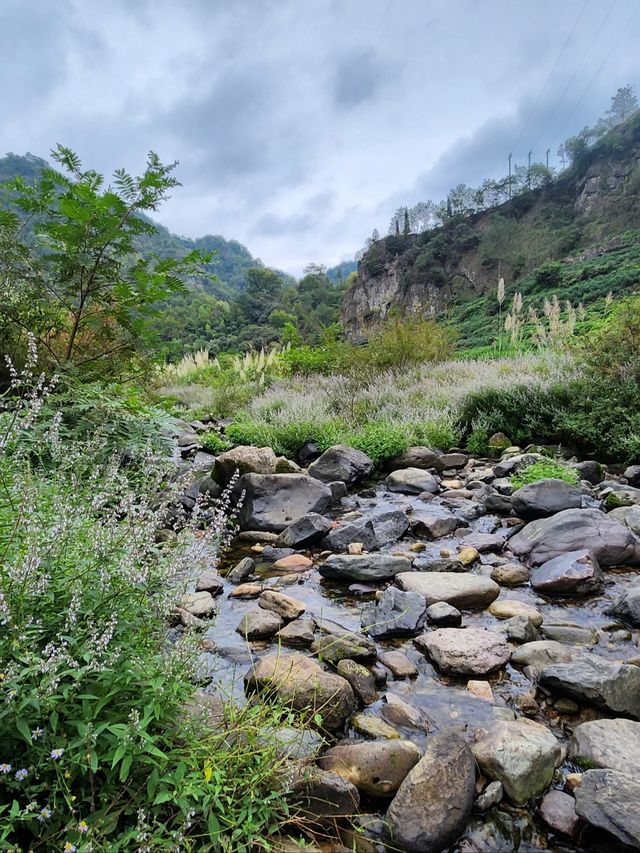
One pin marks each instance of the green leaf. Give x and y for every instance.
(120, 752)
(125, 767)
(24, 730)
(213, 826)
(163, 797)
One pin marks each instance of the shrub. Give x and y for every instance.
(543, 470)
(409, 339)
(213, 442)
(380, 440)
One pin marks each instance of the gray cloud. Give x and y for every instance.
(301, 127)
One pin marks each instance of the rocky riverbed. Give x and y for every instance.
(471, 649)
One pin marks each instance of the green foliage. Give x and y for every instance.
(213, 442)
(380, 440)
(409, 339)
(543, 470)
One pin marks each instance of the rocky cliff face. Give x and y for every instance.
(589, 205)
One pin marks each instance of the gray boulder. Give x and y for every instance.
(396, 613)
(610, 542)
(451, 460)
(372, 531)
(273, 502)
(627, 607)
(363, 567)
(460, 589)
(434, 802)
(608, 743)
(414, 457)
(588, 677)
(444, 615)
(629, 516)
(542, 653)
(573, 573)
(591, 471)
(259, 624)
(608, 799)
(544, 498)
(632, 475)
(305, 531)
(341, 463)
(375, 767)
(465, 651)
(411, 481)
(246, 460)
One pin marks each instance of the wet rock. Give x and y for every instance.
(607, 743)
(609, 685)
(437, 526)
(401, 713)
(558, 810)
(243, 570)
(629, 516)
(366, 567)
(282, 605)
(361, 681)
(485, 543)
(490, 797)
(341, 463)
(573, 573)
(506, 608)
(210, 582)
(374, 767)
(259, 625)
(627, 607)
(611, 543)
(411, 481)
(521, 753)
(461, 590)
(603, 799)
(519, 629)
(396, 613)
(465, 651)
(573, 635)
(414, 457)
(297, 633)
(245, 460)
(481, 689)
(510, 574)
(545, 498)
(334, 629)
(302, 684)
(373, 727)
(434, 802)
(293, 563)
(372, 531)
(542, 653)
(444, 615)
(336, 647)
(322, 796)
(275, 501)
(399, 664)
(246, 590)
(262, 537)
(305, 531)
(467, 556)
(200, 604)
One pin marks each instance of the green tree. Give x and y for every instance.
(407, 225)
(623, 104)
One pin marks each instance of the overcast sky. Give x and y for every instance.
(300, 125)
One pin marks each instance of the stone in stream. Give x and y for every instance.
(273, 502)
(462, 590)
(322, 796)
(510, 574)
(246, 460)
(607, 743)
(574, 635)
(374, 767)
(490, 797)
(506, 608)
(372, 531)
(558, 811)
(293, 563)
(198, 604)
(573, 573)
(341, 463)
(282, 605)
(484, 542)
(362, 682)
(373, 727)
(300, 632)
(334, 648)
(437, 526)
(611, 543)
(301, 683)
(627, 607)
(305, 531)
(434, 802)
(522, 754)
(243, 570)
(398, 663)
(542, 653)
(246, 590)
(608, 799)
(519, 629)
(210, 582)
(365, 567)
(411, 481)
(396, 613)
(544, 498)
(465, 651)
(401, 713)
(606, 684)
(259, 625)
(444, 615)
(272, 554)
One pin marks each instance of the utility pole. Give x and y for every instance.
(529, 171)
(510, 156)
(547, 155)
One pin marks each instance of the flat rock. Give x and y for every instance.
(465, 651)
(434, 802)
(484, 543)
(608, 799)
(373, 727)
(506, 608)
(374, 767)
(573, 635)
(521, 753)
(606, 684)
(200, 604)
(575, 573)
(247, 590)
(614, 744)
(341, 463)
(401, 713)
(364, 567)
(273, 502)
(545, 498)
(300, 632)
(395, 613)
(411, 481)
(399, 664)
(282, 605)
(542, 653)
(460, 589)
(259, 625)
(610, 542)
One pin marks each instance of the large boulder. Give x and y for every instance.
(434, 802)
(301, 683)
(411, 481)
(375, 767)
(273, 502)
(629, 516)
(372, 531)
(414, 457)
(588, 677)
(627, 607)
(396, 613)
(246, 460)
(363, 567)
(522, 754)
(341, 463)
(465, 651)
(544, 498)
(462, 590)
(573, 573)
(305, 531)
(632, 475)
(608, 799)
(607, 743)
(610, 542)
